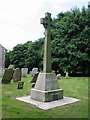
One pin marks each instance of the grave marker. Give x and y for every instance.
(24, 72)
(20, 84)
(47, 87)
(34, 79)
(17, 75)
(8, 75)
(34, 71)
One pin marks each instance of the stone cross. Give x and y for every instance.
(46, 88)
(47, 23)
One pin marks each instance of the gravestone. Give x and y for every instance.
(20, 84)
(34, 78)
(58, 76)
(11, 66)
(8, 75)
(47, 88)
(66, 75)
(17, 75)
(34, 71)
(24, 72)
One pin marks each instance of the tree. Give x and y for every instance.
(70, 43)
(7, 58)
(27, 55)
(35, 54)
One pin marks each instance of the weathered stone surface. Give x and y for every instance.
(8, 75)
(46, 96)
(46, 88)
(47, 22)
(24, 72)
(17, 75)
(46, 82)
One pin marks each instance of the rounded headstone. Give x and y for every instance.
(24, 72)
(34, 71)
(17, 75)
(8, 75)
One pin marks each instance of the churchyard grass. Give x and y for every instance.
(76, 87)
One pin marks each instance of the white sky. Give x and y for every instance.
(20, 19)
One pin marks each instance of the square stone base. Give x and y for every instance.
(46, 96)
(48, 105)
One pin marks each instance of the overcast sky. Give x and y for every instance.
(20, 19)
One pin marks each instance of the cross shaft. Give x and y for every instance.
(47, 23)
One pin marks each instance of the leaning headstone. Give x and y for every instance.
(17, 75)
(20, 84)
(24, 72)
(8, 75)
(34, 71)
(34, 79)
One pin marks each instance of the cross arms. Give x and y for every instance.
(47, 21)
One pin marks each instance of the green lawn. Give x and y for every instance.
(76, 87)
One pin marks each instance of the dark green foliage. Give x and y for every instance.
(71, 41)
(70, 45)
(35, 54)
(8, 58)
(27, 55)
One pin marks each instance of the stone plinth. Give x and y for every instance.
(46, 88)
(46, 96)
